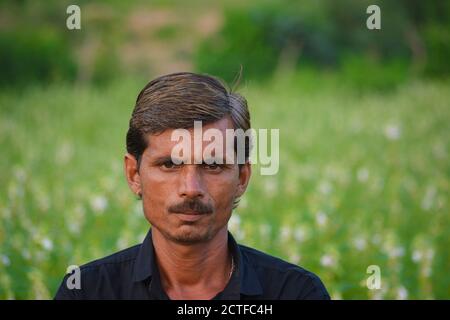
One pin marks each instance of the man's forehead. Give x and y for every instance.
(162, 143)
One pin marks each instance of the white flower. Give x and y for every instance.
(299, 234)
(427, 201)
(47, 244)
(234, 222)
(362, 174)
(392, 132)
(402, 293)
(396, 252)
(325, 187)
(74, 227)
(99, 204)
(5, 260)
(295, 258)
(327, 260)
(265, 229)
(359, 243)
(417, 256)
(321, 218)
(285, 233)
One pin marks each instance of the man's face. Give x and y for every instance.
(187, 203)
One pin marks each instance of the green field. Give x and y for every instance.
(363, 180)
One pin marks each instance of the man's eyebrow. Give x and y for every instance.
(161, 159)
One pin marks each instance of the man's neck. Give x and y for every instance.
(197, 271)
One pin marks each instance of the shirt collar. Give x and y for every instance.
(144, 264)
(244, 279)
(248, 280)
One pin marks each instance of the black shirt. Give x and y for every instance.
(132, 274)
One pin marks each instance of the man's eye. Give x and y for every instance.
(170, 165)
(212, 166)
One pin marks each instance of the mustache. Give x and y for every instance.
(193, 205)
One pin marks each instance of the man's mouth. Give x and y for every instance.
(190, 212)
(190, 216)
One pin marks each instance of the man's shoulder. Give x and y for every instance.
(284, 273)
(118, 258)
(93, 273)
(260, 259)
(114, 264)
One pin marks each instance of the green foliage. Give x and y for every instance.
(438, 43)
(257, 37)
(266, 36)
(371, 74)
(364, 173)
(363, 180)
(28, 56)
(37, 47)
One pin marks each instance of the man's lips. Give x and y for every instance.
(190, 216)
(190, 212)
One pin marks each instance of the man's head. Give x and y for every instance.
(187, 202)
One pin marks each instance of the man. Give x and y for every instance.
(189, 252)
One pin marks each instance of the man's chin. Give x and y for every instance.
(190, 234)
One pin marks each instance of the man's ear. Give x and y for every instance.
(245, 172)
(132, 174)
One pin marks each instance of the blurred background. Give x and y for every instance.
(363, 118)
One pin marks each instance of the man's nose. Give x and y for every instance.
(191, 182)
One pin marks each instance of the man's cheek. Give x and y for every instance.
(154, 202)
(225, 200)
